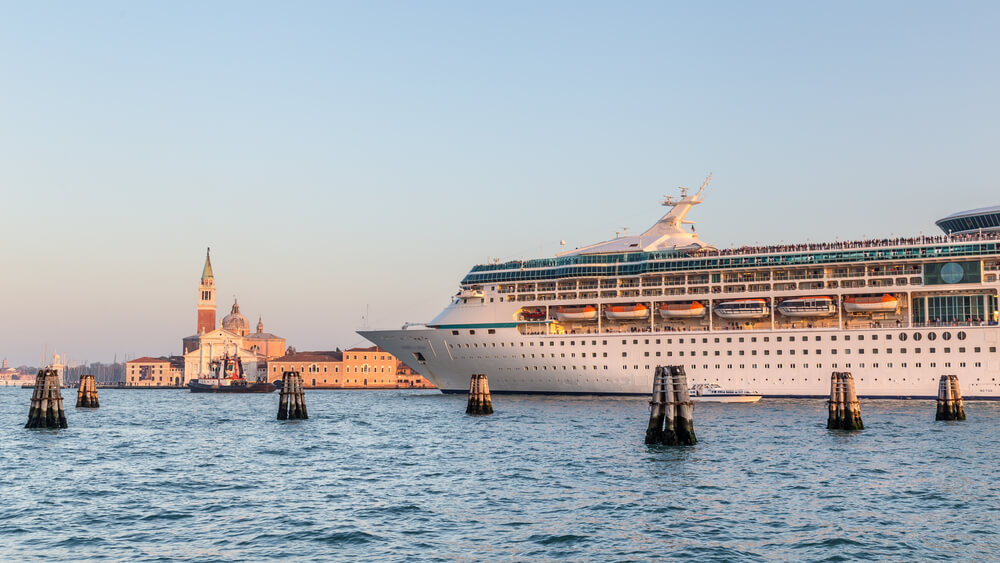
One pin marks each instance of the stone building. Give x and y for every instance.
(356, 368)
(233, 337)
(155, 372)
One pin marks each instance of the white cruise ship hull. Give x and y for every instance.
(623, 363)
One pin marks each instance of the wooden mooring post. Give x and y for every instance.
(46, 402)
(480, 402)
(844, 407)
(292, 398)
(86, 394)
(671, 419)
(949, 402)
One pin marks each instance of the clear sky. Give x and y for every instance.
(338, 155)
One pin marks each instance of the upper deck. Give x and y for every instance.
(639, 263)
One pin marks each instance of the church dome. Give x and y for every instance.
(235, 322)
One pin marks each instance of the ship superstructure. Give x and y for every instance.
(897, 313)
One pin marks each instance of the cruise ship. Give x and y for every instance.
(896, 313)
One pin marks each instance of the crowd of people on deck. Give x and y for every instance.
(851, 244)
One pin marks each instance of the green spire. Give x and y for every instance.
(207, 272)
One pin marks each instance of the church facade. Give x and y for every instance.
(233, 338)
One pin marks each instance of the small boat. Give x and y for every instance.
(624, 312)
(743, 309)
(681, 310)
(808, 307)
(532, 314)
(884, 303)
(585, 313)
(229, 378)
(713, 393)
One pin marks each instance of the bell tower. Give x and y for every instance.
(206, 297)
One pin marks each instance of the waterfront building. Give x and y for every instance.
(408, 378)
(203, 350)
(356, 368)
(155, 372)
(12, 377)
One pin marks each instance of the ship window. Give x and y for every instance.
(946, 336)
(902, 336)
(741, 339)
(916, 336)
(778, 339)
(562, 342)
(624, 341)
(961, 349)
(818, 338)
(472, 332)
(833, 338)
(454, 332)
(947, 350)
(993, 349)
(753, 339)
(917, 350)
(961, 336)
(636, 342)
(491, 331)
(767, 339)
(931, 336)
(705, 341)
(847, 337)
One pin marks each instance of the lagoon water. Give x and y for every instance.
(406, 475)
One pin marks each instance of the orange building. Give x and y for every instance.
(155, 372)
(357, 368)
(407, 378)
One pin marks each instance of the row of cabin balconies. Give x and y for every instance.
(673, 280)
(729, 290)
(698, 280)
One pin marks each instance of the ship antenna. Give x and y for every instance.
(702, 188)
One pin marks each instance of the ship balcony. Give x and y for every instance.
(526, 297)
(652, 292)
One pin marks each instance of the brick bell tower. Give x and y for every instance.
(206, 297)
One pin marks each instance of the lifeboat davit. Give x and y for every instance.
(624, 312)
(808, 307)
(743, 309)
(585, 313)
(681, 310)
(884, 303)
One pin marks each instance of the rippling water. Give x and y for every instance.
(406, 475)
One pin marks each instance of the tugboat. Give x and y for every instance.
(229, 378)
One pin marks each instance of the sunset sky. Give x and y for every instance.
(344, 155)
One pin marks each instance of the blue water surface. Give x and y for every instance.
(407, 476)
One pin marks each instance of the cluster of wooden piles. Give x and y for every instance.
(46, 402)
(949, 402)
(86, 395)
(292, 400)
(479, 396)
(845, 410)
(670, 413)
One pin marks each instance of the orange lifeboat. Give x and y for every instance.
(625, 312)
(681, 310)
(884, 303)
(585, 313)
